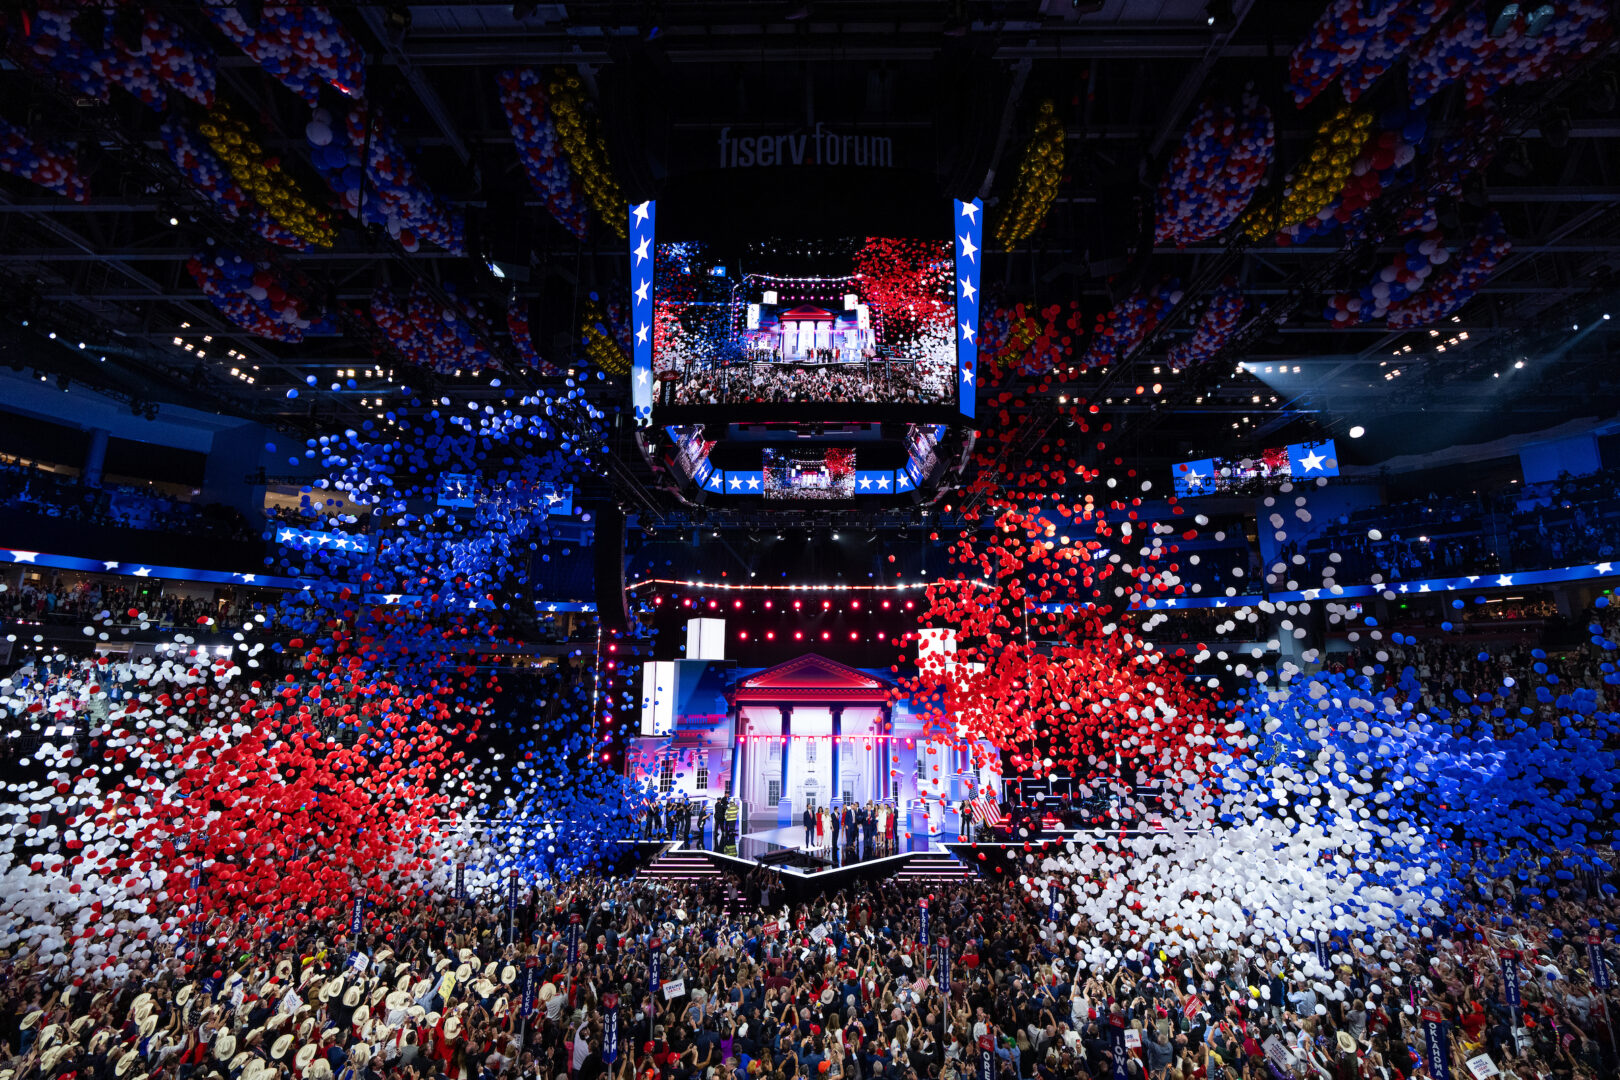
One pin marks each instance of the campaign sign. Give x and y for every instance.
(1510, 980)
(987, 1058)
(1117, 1053)
(357, 913)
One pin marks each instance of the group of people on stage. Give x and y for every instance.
(854, 830)
(677, 819)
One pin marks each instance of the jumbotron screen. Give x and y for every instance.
(866, 319)
(810, 474)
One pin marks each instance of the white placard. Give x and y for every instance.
(1133, 1039)
(290, 1004)
(674, 988)
(1483, 1067)
(1277, 1053)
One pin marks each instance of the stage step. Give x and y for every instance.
(933, 867)
(675, 865)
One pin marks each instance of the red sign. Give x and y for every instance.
(1192, 1006)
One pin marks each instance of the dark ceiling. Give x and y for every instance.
(956, 83)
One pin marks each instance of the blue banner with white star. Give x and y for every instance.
(874, 481)
(968, 228)
(642, 219)
(745, 481)
(314, 540)
(1313, 459)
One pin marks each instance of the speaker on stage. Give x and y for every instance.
(608, 549)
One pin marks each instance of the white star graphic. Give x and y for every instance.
(1473, 578)
(641, 334)
(736, 482)
(967, 331)
(1403, 586)
(714, 481)
(143, 572)
(970, 211)
(968, 249)
(1312, 460)
(641, 211)
(109, 564)
(641, 250)
(1193, 474)
(1423, 587)
(967, 374)
(883, 482)
(391, 597)
(901, 481)
(24, 556)
(753, 483)
(968, 291)
(551, 607)
(641, 291)
(866, 481)
(641, 376)
(248, 579)
(1309, 594)
(1505, 579)
(1602, 567)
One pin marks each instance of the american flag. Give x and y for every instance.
(986, 811)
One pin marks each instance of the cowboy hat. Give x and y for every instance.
(239, 1060)
(399, 999)
(32, 1018)
(48, 1034)
(225, 1046)
(149, 1025)
(500, 1006)
(422, 987)
(279, 1048)
(125, 1063)
(305, 1055)
(284, 970)
(99, 1040)
(452, 1029)
(360, 1056)
(463, 973)
(378, 993)
(320, 1069)
(330, 989)
(465, 955)
(1347, 1042)
(361, 1015)
(547, 992)
(382, 954)
(352, 997)
(442, 964)
(306, 1027)
(483, 987)
(403, 981)
(508, 975)
(48, 1060)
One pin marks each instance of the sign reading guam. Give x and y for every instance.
(818, 147)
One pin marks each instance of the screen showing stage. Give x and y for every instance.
(810, 474)
(857, 320)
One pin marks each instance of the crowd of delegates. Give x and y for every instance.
(821, 987)
(88, 599)
(25, 489)
(910, 381)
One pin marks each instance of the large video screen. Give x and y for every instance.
(810, 474)
(865, 319)
(1221, 476)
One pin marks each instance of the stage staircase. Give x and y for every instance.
(676, 865)
(933, 867)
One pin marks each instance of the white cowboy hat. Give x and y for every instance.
(305, 1055)
(352, 997)
(225, 1046)
(508, 975)
(279, 1048)
(452, 1029)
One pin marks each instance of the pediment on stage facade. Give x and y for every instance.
(812, 678)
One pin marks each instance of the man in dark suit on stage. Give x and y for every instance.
(809, 826)
(836, 825)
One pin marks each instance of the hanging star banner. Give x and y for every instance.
(968, 228)
(642, 218)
